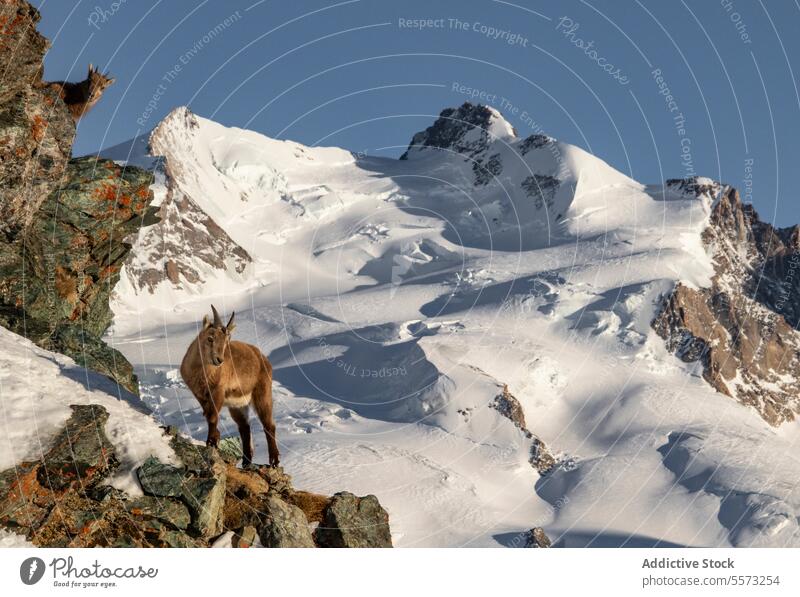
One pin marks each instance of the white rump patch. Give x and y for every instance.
(237, 401)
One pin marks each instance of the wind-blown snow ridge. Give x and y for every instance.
(398, 298)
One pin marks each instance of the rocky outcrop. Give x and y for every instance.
(507, 405)
(742, 329)
(350, 521)
(61, 500)
(537, 538)
(284, 525)
(58, 274)
(36, 130)
(62, 222)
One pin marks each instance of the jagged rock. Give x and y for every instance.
(351, 521)
(197, 458)
(536, 537)
(62, 222)
(36, 130)
(535, 141)
(464, 130)
(486, 171)
(212, 247)
(542, 189)
(278, 480)
(738, 329)
(57, 501)
(284, 525)
(164, 509)
(206, 498)
(80, 452)
(230, 449)
(507, 405)
(159, 479)
(24, 503)
(540, 457)
(245, 537)
(200, 482)
(59, 274)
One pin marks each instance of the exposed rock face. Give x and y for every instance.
(58, 275)
(537, 538)
(467, 130)
(61, 500)
(284, 525)
(351, 521)
(743, 328)
(62, 221)
(183, 226)
(507, 405)
(36, 130)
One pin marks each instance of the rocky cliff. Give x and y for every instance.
(182, 222)
(63, 221)
(743, 328)
(36, 130)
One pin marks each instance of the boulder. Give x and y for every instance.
(230, 449)
(81, 452)
(245, 537)
(167, 510)
(159, 479)
(351, 521)
(284, 525)
(205, 498)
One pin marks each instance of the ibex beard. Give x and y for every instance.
(222, 372)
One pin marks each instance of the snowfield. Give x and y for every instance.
(37, 388)
(397, 298)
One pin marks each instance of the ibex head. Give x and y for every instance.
(214, 338)
(98, 82)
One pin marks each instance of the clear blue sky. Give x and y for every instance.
(351, 74)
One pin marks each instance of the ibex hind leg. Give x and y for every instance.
(262, 402)
(241, 418)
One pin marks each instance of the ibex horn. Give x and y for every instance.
(217, 319)
(231, 325)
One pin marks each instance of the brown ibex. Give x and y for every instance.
(221, 372)
(80, 97)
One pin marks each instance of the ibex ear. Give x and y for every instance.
(91, 68)
(231, 326)
(206, 322)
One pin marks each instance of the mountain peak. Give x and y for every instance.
(468, 129)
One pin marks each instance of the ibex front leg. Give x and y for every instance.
(212, 410)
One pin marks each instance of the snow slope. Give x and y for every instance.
(37, 388)
(396, 298)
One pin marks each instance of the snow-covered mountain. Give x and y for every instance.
(468, 332)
